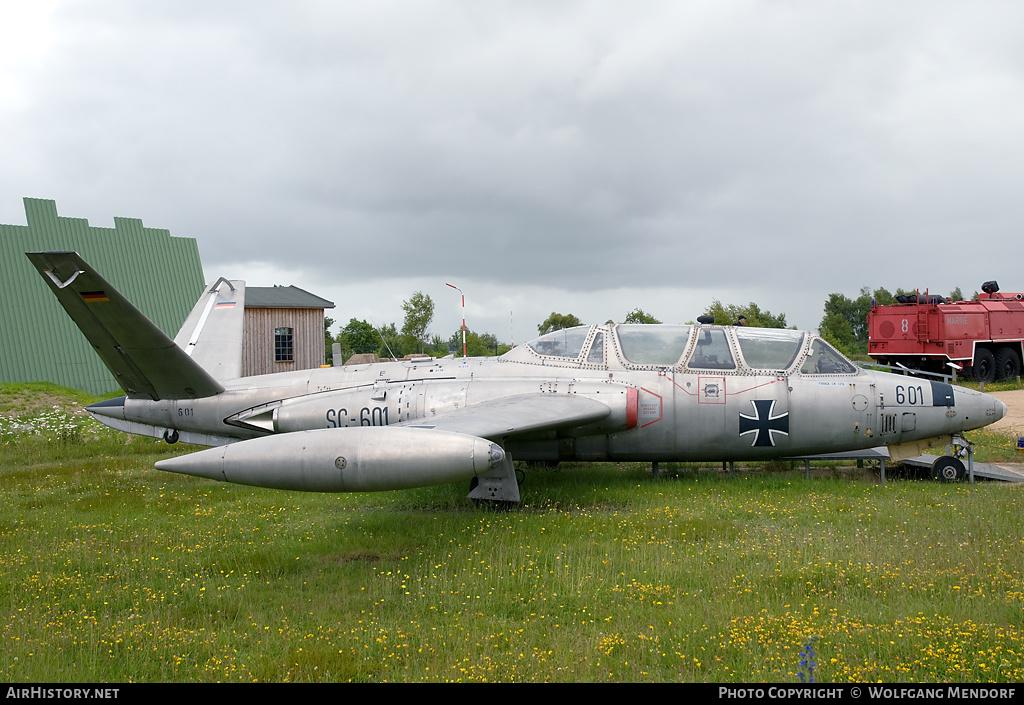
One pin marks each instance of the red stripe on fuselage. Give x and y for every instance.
(632, 407)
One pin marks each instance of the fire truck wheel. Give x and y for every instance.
(1007, 364)
(984, 365)
(948, 469)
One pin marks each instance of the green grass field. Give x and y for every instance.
(114, 571)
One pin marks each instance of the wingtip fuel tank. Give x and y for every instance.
(345, 460)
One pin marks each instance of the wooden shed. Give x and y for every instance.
(284, 330)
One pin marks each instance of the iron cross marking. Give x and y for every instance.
(763, 424)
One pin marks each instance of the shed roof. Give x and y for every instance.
(283, 297)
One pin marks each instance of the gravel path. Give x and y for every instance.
(1013, 422)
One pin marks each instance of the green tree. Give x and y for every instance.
(361, 337)
(558, 321)
(438, 346)
(390, 342)
(837, 327)
(956, 295)
(638, 315)
(756, 318)
(328, 340)
(419, 311)
(477, 344)
(845, 323)
(357, 337)
(882, 297)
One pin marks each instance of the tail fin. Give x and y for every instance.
(212, 333)
(144, 361)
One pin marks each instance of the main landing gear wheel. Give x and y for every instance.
(948, 469)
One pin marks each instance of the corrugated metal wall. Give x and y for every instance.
(258, 343)
(162, 275)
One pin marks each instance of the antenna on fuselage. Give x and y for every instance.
(382, 338)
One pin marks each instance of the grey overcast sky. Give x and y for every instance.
(580, 157)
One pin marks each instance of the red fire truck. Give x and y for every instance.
(926, 332)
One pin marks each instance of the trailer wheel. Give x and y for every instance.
(1007, 363)
(948, 469)
(984, 365)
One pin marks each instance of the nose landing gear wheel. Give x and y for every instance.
(948, 469)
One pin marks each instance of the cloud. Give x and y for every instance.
(575, 154)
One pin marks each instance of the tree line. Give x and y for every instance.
(388, 341)
(844, 325)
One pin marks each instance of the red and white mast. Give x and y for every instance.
(463, 317)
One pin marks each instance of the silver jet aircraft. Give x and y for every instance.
(593, 393)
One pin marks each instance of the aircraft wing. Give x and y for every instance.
(522, 413)
(144, 361)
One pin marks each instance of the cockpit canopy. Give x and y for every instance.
(693, 348)
(567, 342)
(652, 344)
(769, 348)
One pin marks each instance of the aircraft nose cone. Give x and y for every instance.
(975, 409)
(1000, 408)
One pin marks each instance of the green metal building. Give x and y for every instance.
(162, 275)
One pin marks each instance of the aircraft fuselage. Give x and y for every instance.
(668, 413)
